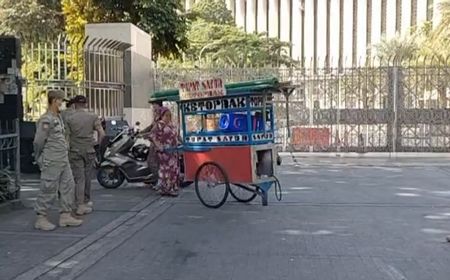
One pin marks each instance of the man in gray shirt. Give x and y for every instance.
(81, 125)
(51, 154)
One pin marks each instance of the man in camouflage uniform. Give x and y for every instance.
(51, 154)
(69, 109)
(65, 114)
(81, 125)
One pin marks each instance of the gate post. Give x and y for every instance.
(17, 160)
(394, 100)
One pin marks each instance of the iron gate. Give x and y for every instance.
(88, 66)
(9, 160)
(377, 107)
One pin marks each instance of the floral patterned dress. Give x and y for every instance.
(166, 136)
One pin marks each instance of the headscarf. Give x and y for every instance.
(162, 110)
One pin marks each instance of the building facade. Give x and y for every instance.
(326, 31)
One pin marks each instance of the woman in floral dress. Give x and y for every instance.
(165, 135)
(152, 158)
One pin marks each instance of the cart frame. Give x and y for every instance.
(249, 98)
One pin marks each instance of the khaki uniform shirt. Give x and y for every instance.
(49, 141)
(80, 129)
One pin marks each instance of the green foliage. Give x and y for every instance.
(426, 41)
(399, 49)
(221, 44)
(214, 11)
(36, 92)
(77, 14)
(29, 19)
(437, 40)
(167, 26)
(161, 18)
(215, 41)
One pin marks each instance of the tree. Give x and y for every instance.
(29, 19)
(437, 42)
(397, 49)
(214, 11)
(166, 24)
(77, 14)
(424, 41)
(215, 40)
(161, 18)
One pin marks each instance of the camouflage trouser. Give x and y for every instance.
(56, 177)
(82, 164)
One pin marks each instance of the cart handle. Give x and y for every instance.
(181, 148)
(196, 149)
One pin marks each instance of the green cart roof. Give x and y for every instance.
(232, 89)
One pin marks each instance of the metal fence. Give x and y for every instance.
(88, 66)
(9, 160)
(384, 105)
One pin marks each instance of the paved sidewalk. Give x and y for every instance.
(369, 155)
(340, 219)
(23, 248)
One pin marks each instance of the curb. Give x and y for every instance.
(368, 155)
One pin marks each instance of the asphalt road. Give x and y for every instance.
(339, 219)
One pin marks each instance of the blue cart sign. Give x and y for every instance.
(200, 89)
(240, 102)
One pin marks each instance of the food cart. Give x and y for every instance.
(228, 137)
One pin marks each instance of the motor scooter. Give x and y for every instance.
(125, 158)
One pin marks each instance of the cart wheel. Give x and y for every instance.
(242, 193)
(211, 185)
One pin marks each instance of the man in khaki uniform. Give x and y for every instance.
(81, 125)
(65, 114)
(51, 154)
(69, 109)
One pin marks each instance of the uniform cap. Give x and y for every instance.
(69, 102)
(57, 94)
(79, 99)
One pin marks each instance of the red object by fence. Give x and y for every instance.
(305, 137)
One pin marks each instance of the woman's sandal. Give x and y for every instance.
(171, 194)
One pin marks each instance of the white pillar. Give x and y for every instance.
(321, 32)
(230, 6)
(422, 9)
(297, 30)
(437, 15)
(251, 16)
(391, 18)
(376, 22)
(285, 20)
(273, 18)
(262, 16)
(406, 16)
(362, 31)
(348, 32)
(334, 32)
(309, 31)
(137, 66)
(240, 13)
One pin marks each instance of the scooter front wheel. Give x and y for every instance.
(110, 177)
